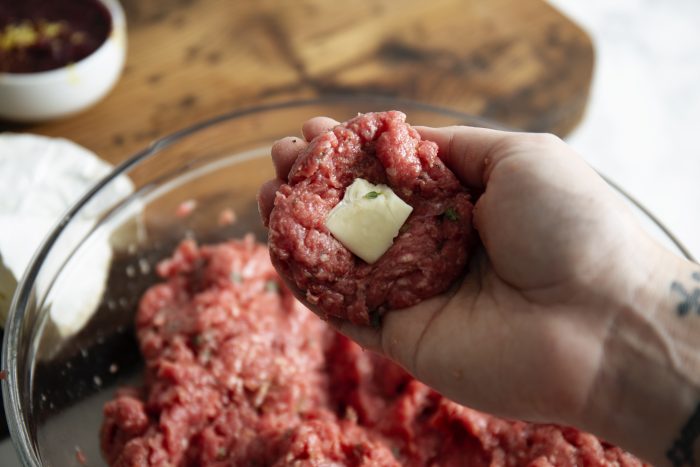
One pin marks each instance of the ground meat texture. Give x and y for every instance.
(431, 249)
(229, 355)
(426, 429)
(239, 374)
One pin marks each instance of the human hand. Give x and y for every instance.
(524, 335)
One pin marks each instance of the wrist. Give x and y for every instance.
(648, 386)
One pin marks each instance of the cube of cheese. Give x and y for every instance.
(368, 219)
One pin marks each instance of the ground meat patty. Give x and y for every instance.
(431, 249)
(239, 374)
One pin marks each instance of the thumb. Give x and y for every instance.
(469, 152)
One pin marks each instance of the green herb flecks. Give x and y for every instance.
(451, 214)
(236, 277)
(372, 195)
(272, 286)
(221, 453)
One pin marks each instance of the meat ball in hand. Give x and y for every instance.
(369, 219)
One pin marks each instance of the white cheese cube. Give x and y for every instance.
(368, 219)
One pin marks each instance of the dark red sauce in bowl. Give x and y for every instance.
(42, 35)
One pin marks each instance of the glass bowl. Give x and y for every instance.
(57, 382)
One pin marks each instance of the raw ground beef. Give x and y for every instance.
(431, 249)
(239, 374)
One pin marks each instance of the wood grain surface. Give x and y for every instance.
(517, 61)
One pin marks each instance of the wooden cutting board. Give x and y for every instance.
(517, 61)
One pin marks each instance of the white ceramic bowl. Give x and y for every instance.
(45, 95)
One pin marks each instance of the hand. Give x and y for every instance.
(525, 334)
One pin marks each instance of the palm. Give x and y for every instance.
(488, 335)
(523, 311)
(504, 339)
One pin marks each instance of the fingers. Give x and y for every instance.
(284, 154)
(317, 125)
(469, 151)
(266, 198)
(286, 150)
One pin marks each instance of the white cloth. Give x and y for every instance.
(40, 178)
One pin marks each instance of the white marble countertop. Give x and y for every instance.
(642, 125)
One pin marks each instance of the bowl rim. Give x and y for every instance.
(118, 26)
(10, 390)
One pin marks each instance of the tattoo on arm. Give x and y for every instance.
(690, 298)
(681, 453)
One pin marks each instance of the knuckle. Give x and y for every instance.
(544, 139)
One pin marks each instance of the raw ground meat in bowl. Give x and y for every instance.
(238, 373)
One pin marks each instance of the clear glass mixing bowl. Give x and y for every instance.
(56, 382)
